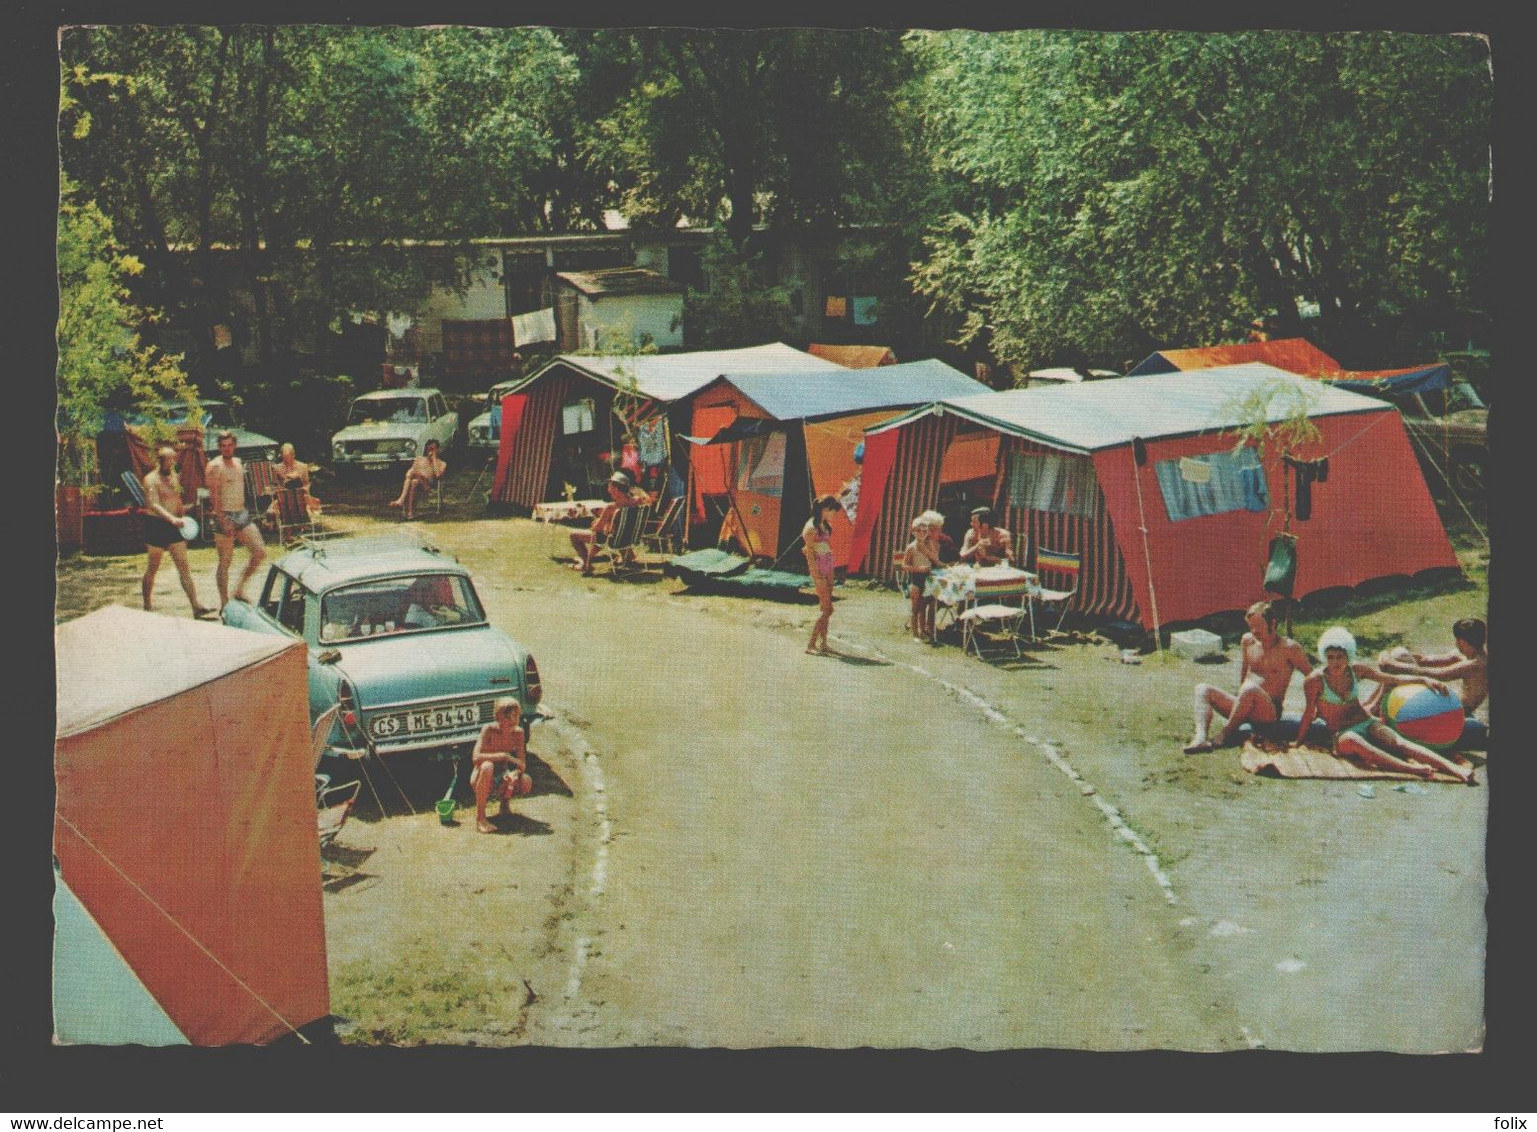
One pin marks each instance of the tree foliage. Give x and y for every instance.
(1114, 193)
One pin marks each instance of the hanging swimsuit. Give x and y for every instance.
(1330, 696)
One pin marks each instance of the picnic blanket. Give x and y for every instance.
(1310, 762)
(731, 573)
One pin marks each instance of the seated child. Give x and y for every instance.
(500, 748)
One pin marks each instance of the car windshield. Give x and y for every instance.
(387, 409)
(391, 606)
(215, 415)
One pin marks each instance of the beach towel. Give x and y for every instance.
(1310, 762)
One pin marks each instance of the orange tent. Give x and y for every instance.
(188, 903)
(854, 357)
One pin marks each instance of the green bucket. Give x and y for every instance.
(446, 808)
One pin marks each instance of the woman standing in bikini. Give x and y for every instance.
(1333, 695)
(816, 539)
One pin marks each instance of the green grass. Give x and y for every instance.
(420, 996)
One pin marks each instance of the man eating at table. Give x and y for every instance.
(984, 544)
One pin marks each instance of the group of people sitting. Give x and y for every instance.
(1334, 694)
(984, 544)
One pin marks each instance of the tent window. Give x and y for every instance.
(578, 416)
(1061, 484)
(1212, 484)
(761, 465)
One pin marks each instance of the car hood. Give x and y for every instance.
(431, 664)
(382, 430)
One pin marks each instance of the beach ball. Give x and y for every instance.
(1424, 716)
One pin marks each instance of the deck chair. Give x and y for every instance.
(262, 484)
(618, 549)
(293, 514)
(1061, 567)
(135, 489)
(999, 609)
(659, 532)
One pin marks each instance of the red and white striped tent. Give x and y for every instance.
(1164, 529)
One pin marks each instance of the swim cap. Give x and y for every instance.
(1337, 637)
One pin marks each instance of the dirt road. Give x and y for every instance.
(732, 843)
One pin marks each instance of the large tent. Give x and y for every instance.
(1066, 477)
(1299, 356)
(187, 902)
(559, 421)
(771, 442)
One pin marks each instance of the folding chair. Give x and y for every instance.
(293, 513)
(135, 489)
(1059, 564)
(618, 548)
(995, 613)
(262, 484)
(660, 533)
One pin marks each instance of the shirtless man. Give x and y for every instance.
(163, 512)
(232, 522)
(985, 544)
(1268, 662)
(501, 745)
(1467, 661)
(585, 543)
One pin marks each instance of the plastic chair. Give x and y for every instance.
(1059, 564)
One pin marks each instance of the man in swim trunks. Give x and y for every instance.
(232, 522)
(1269, 660)
(985, 544)
(163, 512)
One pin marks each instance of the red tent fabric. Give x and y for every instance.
(513, 405)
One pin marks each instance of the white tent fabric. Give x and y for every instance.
(669, 377)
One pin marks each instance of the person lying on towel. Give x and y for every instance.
(1333, 695)
(1268, 662)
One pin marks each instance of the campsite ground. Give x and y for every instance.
(732, 843)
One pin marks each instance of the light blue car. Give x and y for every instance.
(398, 637)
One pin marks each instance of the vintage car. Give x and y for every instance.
(1451, 428)
(217, 416)
(398, 637)
(484, 431)
(391, 427)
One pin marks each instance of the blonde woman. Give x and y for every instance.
(816, 539)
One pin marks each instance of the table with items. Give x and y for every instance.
(567, 510)
(956, 588)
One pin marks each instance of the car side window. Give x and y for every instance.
(272, 593)
(292, 617)
(438, 408)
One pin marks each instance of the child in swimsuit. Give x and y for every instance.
(1333, 695)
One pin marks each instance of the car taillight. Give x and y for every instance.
(531, 681)
(349, 704)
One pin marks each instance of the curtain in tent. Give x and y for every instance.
(912, 486)
(1033, 519)
(1212, 484)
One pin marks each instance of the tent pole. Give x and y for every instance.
(1147, 558)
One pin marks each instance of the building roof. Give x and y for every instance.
(855, 357)
(671, 377)
(1095, 415)
(815, 393)
(115, 660)
(609, 282)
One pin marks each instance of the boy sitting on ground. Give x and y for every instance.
(501, 747)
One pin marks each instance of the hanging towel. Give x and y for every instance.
(651, 436)
(837, 307)
(1194, 471)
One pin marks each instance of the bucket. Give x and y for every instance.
(446, 807)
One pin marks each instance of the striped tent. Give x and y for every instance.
(647, 386)
(1143, 480)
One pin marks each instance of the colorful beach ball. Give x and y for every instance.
(1424, 716)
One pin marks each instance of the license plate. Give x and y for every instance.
(375, 458)
(426, 721)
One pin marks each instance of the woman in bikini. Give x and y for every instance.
(424, 471)
(1333, 695)
(816, 539)
(501, 746)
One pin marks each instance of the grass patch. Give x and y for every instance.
(421, 996)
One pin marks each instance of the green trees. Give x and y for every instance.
(1112, 193)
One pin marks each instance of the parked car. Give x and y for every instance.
(391, 427)
(216, 417)
(1452, 426)
(398, 636)
(484, 435)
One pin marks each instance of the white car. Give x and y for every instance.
(390, 427)
(484, 436)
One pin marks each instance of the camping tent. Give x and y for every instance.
(774, 441)
(1298, 355)
(559, 420)
(188, 901)
(1066, 477)
(854, 357)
